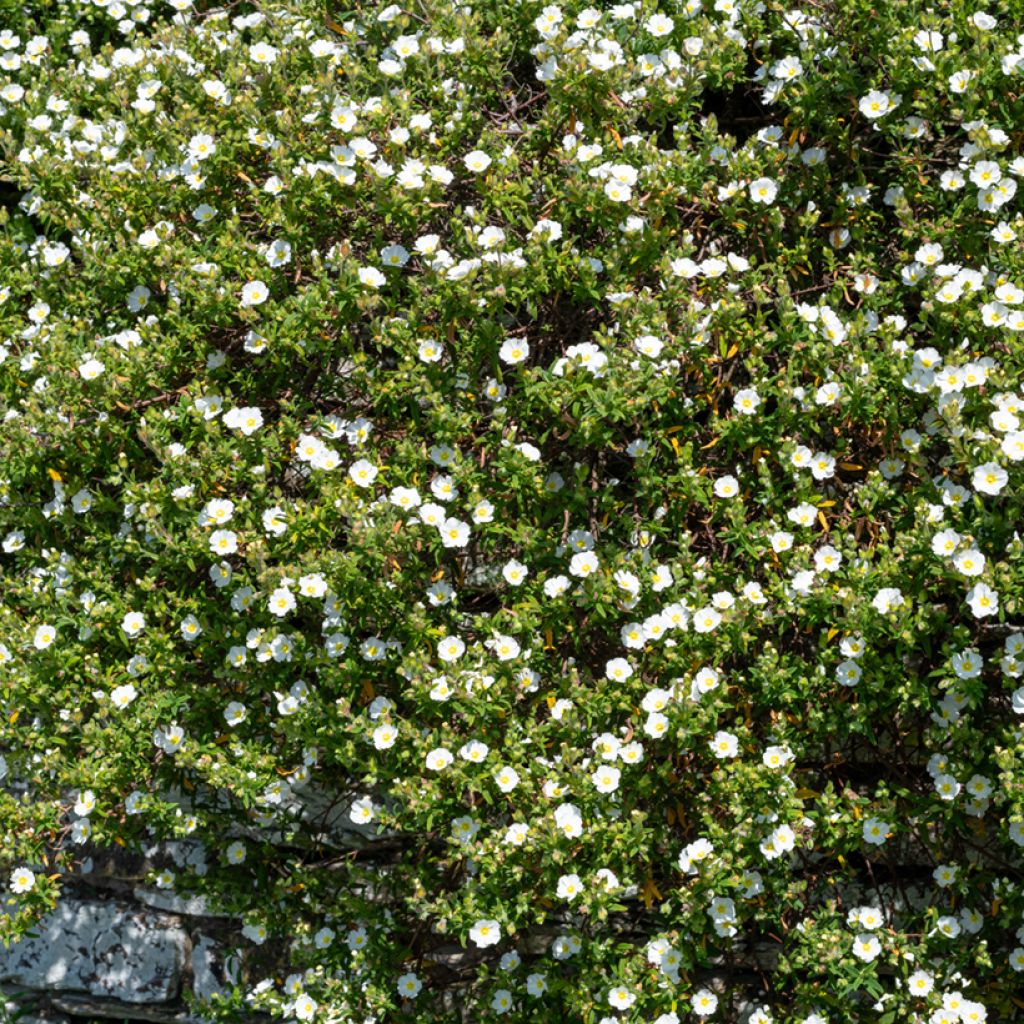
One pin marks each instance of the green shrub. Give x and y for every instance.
(532, 490)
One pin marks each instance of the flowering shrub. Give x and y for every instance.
(527, 495)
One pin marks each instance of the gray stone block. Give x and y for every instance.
(205, 982)
(101, 948)
(194, 906)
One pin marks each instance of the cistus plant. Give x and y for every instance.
(523, 498)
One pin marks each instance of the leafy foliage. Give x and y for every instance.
(525, 496)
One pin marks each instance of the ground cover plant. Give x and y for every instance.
(527, 494)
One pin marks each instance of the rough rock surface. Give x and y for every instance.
(104, 948)
(207, 969)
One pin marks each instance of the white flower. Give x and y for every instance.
(724, 744)
(256, 933)
(438, 759)
(516, 834)
(704, 1003)
(722, 910)
(86, 803)
(1013, 445)
(555, 586)
(866, 946)
(491, 237)
(312, 585)
(477, 161)
(43, 637)
(505, 648)
(81, 501)
(371, 277)
(384, 736)
(122, 696)
(617, 191)
(946, 786)
(659, 25)
(536, 984)
(706, 619)
(262, 53)
(430, 351)
(510, 960)
(169, 739)
(569, 820)
(569, 887)
(1018, 701)
(877, 104)
(90, 369)
(506, 778)
(254, 293)
(454, 533)
(746, 401)
(514, 572)
(14, 541)
(362, 473)
(394, 255)
(273, 521)
(989, 478)
(474, 751)
(983, 600)
(959, 81)
(967, 664)
(235, 713)
(372, 649)
(827, 394)
(223, 542)
(278, 253)
(583, 564)
(450, 648)
(201, 146)
(305, 1006)
(409, 985)
(618, 670)
(780, 841)
(787, 69)
(621, 998)
(281, 602)
(606, 779)
(547, 230)
(486, 932)
(920, 983)
(876, 831)
(22, 880)
(827, 559)
(514, 350)
(235, 853)
(727, 486)
(362, 811)
(763, 190)
(190, 628)
(848, 673)
(887, 599)
(133, 623)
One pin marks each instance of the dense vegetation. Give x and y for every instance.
(528, 493)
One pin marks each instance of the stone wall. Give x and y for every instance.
(125, 954)
(114, 948)
(118, 949)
